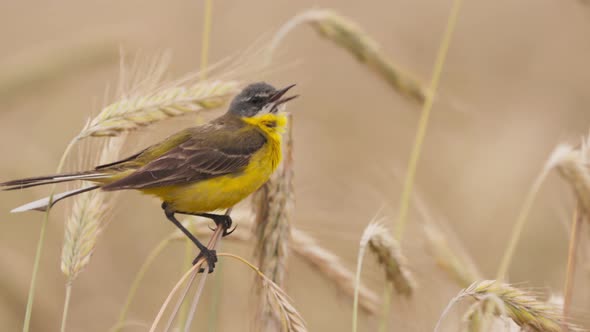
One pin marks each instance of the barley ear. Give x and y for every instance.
(140, 110)
(573, 167)
(521, 307)
(388, 252)
(84, 223)
(348, 35)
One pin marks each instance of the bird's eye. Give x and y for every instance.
(256, 99)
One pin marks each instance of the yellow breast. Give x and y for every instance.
(226, 191)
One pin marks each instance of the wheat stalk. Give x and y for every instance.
(348, 35)
(556, 155)
(523, 308)
(141, 110)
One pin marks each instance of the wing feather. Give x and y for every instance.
(209, 153)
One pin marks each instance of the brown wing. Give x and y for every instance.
(210, 152)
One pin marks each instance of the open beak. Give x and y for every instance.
(277, 99)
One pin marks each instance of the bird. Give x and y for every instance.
(198, 170)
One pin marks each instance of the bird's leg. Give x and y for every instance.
(209, 254)
(222, 220)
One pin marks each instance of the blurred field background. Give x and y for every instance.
(515, 84)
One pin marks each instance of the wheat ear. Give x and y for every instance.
(523, 308)
(348, 35)
(572, 164)
(141, 110)
(273, 205)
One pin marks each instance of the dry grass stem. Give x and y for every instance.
(462, 271)
(346, 34)
(215, 238)
(141, 110)
(554, 159)
(523, 308)
(273, 205)
(388, 253)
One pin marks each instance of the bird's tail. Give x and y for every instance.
(41, 180)
(43, 204)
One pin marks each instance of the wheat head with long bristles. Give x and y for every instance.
(523, 308)
(84, 224)
(572, 165)
(348, 35)
(388, 252)
(141, 110)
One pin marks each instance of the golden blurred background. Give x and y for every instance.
(515, 84)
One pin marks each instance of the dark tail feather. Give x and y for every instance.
(43, 204)
(41, 180)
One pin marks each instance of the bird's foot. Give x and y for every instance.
(210, 256)
(225, 221)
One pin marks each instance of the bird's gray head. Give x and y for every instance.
(259, 98)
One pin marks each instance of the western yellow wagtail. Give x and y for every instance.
(197, 170)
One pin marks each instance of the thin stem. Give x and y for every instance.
(243, 260)
(423, 122)
(64, 316)
(200, 287)
(40, 243)
(189, 248)
(139, 278)
(179, 305)
(192, 271)
(519, 225)
(578, 218)
(195, 302)
(188, 273)
(386, 306)
(357, 283)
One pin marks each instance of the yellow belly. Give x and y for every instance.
(225, 191)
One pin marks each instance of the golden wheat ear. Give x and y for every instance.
(43, 203)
